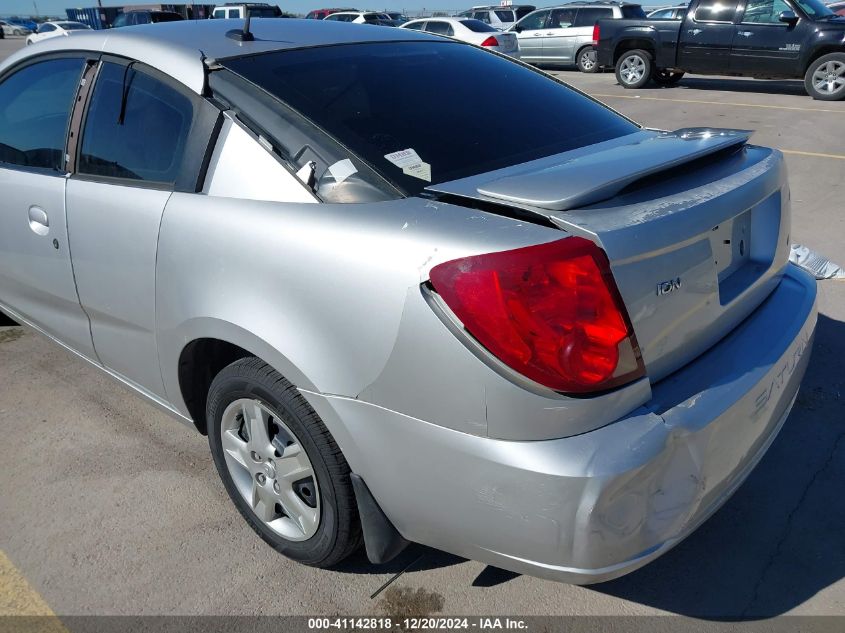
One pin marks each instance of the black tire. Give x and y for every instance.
(835, 61)
(586, 60)
(639, 58)
(666, 77)
(339, 532)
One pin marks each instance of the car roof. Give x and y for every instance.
(179, 48)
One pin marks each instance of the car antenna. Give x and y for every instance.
(244, 35)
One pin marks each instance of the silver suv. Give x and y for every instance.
(564, 34)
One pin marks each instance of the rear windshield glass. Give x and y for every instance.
(478, 26)
(443, 102)
(633, 12)
(263, 12)
(74, 26)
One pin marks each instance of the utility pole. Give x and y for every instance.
(36, 7)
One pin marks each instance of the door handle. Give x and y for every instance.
(694, 31)
(536, 34)
(746, 33)
(549, 34)
(39, 222)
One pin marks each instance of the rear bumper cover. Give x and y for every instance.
(595, 506)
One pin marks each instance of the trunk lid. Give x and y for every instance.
(695, 224)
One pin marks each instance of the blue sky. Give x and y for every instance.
(57, 7)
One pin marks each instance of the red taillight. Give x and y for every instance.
(551, 312)
(490, 41)
(596, 33)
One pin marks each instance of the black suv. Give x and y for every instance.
(767, 39)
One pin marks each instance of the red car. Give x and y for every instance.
(837, 7)
(321, 14)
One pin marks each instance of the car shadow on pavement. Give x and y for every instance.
(779, 540)
(415, 557)
(760, 86)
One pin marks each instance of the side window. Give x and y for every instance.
(119, 21)
(715, 11)
(484, 16)
(562, 18)
(589, 16)
(506, 17)
(664, 14)
(136, 127)
(46, 28)
(35, 105)
(440, 28)
(534, 21)
(142, 18)
(415, 26)
(765, 11)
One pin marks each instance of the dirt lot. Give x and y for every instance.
(109, 507)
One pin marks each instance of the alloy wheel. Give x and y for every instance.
(588, 59)
(270, 469)
(632, 69)
(829, 78)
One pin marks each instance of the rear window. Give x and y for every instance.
(74, 26)
(505, 16)
(373, 99)
(477, 26)
(165, 17)
(633, 12)
(264, 12)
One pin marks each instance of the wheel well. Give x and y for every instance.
(199, 363)
(821, 52)
(630, 45)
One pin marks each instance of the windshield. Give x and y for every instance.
(814, 8)
(431, 112)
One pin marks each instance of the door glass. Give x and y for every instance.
(35, 104)
(589, 16)
(534, 21)
(220, 14)
(46, 28)
(562, 18)
(715, 11)
(482, 15)
(140, 138)
(764, 11)
(415, 26)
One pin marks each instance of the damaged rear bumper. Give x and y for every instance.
(595, 506)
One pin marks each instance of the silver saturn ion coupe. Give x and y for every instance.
(555, 345)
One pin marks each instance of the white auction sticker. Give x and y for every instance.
(342, 170)
(421, 171)
(404, 158)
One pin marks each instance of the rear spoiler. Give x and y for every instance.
(600, 175)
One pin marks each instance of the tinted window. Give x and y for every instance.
(265, 12)
(148, 140)
(562, 18)
(504, 16)
(166, 17)
(35, 105)
(484, 16)
(521, 12)
(633, 12)
(534, 21)
(440, 28)
(74, 26)
(764, 11)
(715, 11)
(477, 26)
(589, 16)
(46, 28)
(664, 14)
(220, 14)
(415, 26)
(369, 96)
(141, 18)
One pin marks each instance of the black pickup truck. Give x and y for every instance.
(767, 39)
